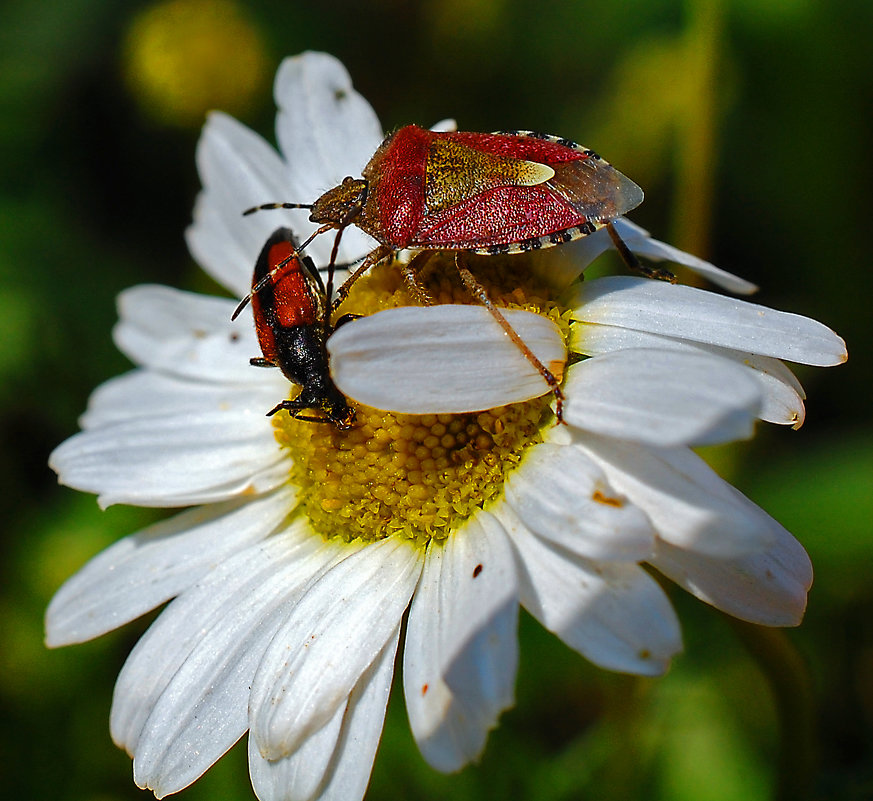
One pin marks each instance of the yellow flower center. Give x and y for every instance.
(416, 476)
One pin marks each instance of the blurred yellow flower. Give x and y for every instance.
(185, 57)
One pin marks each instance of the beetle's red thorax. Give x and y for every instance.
(285, 301)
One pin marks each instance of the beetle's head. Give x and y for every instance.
(342, 205)
(321, 395)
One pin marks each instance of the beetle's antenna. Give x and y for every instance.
(268, 206)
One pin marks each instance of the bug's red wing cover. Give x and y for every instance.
(500, 204)
(505, 215)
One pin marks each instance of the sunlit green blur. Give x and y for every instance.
(748, 125)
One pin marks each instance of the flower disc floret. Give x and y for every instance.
(416, 476)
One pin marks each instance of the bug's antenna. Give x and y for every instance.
(269, 276)
(268, 206)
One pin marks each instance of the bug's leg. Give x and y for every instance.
(373, 257)
(633, 263)
(479, 291)
(410, 271)
(260, 361)
(328, 285)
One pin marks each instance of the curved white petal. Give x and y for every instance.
(689, 313)
(349, 773)
(199, 710)
(238, 170)
(187, 335)
(297, 776)
(448, 125)
(767, 588)
(174, 461)
(690, 506)
(587, 249)
(335, 633)
(146, 569)
(564, 497)
(612, 613)
(449, 358)
(351, 748)
(662, 399)
(782, 395)
(641, 242)
(461, 644)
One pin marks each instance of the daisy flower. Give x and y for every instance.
(455, 498)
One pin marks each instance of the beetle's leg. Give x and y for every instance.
(633, 263)
(260, 361)
(346, 318)
(295, 409)
(481, 293)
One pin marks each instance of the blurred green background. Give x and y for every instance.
(748, 124)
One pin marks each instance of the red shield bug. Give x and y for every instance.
(508, 192)
(292, 324)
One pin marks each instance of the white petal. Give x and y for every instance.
(202, 706)
(145, 393)
(767, 588)
(296, 777)
(640, 242)
(146, 569)
(448, 125)
(461, 644)
(662, 399)
(612, 613)
(187, 335)
(353, 761)
(690, 506)
(225, 591)
(587, 249)
(435, 359)
(174, 461)
(238, 170)
(782, 400)
(339, 758)
(689, 313)
(335, 633)
(564, 497)
(326, 131)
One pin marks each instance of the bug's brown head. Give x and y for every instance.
(342, 205)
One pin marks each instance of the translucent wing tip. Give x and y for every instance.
(627, 194)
